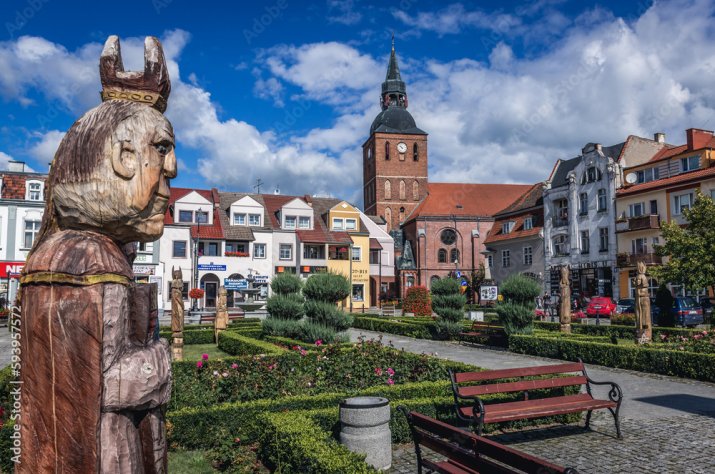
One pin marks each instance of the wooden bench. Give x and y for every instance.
(484, 329)
(388, 310)
(209, 318)
(468, 453)
(543, 377)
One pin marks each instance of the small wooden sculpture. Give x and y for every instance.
(565, 307)
(177, 314)
(95, 376)
(221, 321)
(644, 332)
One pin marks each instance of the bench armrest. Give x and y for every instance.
(615, 394)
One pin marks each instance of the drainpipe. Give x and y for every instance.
(350, 257)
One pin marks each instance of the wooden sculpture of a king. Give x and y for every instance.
(95, 374)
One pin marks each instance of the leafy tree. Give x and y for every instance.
(517, 311)
(691, 249)
(286, 283)
(447, 300)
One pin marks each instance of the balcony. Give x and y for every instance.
(559, 221)
(630, 259)
(639, 223)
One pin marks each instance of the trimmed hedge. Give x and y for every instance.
(238, 344)
(420, 331)
(621, 332)
(193, 336)
(288, 342)
(693, 365)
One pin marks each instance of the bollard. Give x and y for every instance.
(365, 429)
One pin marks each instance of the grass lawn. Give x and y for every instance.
(189, 462)
(194, 351)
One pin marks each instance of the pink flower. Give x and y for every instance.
(199, 364)
(303, 352)
(234, 366)
(378, 371)
(390, 372)
(390, 382)
(237, 440)
(272, 366)
(705, 333)
(319, 342)
(205, 356)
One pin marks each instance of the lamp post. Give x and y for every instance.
(196, 256)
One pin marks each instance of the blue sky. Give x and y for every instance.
(286, 90)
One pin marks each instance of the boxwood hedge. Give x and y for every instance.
(235, 343)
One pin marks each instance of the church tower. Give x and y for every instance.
(395, 155)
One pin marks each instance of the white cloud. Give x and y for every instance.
(343, 11)
(453, 18)
(46, 145)
(4, 160)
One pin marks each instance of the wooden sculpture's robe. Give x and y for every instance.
(95, 371)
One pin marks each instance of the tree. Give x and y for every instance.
(475, 281)
(516, 312)
(690, 249)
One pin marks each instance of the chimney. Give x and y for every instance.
(16, 166)
(698, 138)
(308, 199)
(659, 137)
(598, 147)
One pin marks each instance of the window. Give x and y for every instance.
(528, 256)
(636, 210)
(350, 224)
(259, 250)
(528, 223)
(682, 202)
(583, 203)
(442, 256)
(186, 216)
(507, 227)
(639, 246)
(31, 230)
(387, 151)
(601, 200)
(34, 191)
(454, 256)
(290, 222)
(358, 292)
(647, 175)
(490, 261)
(654, 207)
(403, 191)
(357, 254)
(285, 252)
(561, 247)
(448, 236)
(202, 217)
(415, 191)
(179, 249)
(603, 239)
(338, 224)
(374, 257)
(236, 247)
(254, 219)
(505, 258)
(592, 174)
(209, 249)
(147, 247)
(415, 153)
(690, 163)
(561, 208)
(338, 252)
(239, 219)
(314, 251)
(184, 291)
(304, 222)
(585, 242)
(388, 189)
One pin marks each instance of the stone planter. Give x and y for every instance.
(365, 429)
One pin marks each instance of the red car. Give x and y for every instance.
(601, 305)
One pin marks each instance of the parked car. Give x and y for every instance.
(601, 306)
(626, 305)
(686, 311)
(654, 312)
(707, 305)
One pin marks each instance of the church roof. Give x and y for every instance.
(395, 119)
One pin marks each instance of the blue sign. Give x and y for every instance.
(458, 274)
(210, 267)
(233, 285)
(464, 283)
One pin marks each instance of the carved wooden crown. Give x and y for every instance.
(152, 86)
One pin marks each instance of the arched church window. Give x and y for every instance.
(454, 256)
(388, 189)
(388, 217)
(415, 152)
(415, 191)
(403, 192)
(387, 151)
(442, 256)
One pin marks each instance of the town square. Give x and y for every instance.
(344, 236)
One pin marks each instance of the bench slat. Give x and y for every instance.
(521, 372)
(441, 428)
(448, 467)
(449, 449)
(496, 413)
(514, 458)
(508, 387)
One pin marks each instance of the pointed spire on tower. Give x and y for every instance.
(394, 91)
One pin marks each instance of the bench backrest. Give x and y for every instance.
(472, 451)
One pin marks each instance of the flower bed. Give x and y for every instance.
(621, 332)
(703, 341)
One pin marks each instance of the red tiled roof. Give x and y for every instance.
(668, 152)
(682, 178)
(375, 245)
(314, 236)
(206, 231)
(496, 234)
(178, 193)
(481, 200)
(273, 203)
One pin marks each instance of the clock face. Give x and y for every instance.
(401, 147)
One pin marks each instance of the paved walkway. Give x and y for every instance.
(668, 422)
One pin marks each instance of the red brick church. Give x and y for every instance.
(438, 227)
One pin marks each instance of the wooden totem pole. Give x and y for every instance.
(644, 328)
(177, 314)
(221, 321)
(95, 376)
(565, 306)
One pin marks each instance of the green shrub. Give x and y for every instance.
(446, 329)
(516, 318)
(417, 301)
(327, 314)
(313, 332)
(520, 289)
(282, 327)
(452, 315)
(327, 287)
(237, 344)
(444, 286)
(447, 301)
(403, 328)
(624, 319)
(286, 283)
(291, 342)
(285, 306)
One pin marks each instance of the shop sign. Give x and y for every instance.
(233, 285)
(11, 269)
(260, 279)
(143, 258)
(210, 267)
(143, 269)
(488, 293)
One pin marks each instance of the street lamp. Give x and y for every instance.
(199, 212)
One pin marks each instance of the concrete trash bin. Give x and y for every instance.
(365, 429)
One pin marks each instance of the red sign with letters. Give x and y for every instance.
(11, 269)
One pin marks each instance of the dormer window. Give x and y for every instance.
(202, 217)
(34, 191)
(350, 224)
(507, 227)
(304, 222)
(290, 222)
(690, 163)
(239, 219)
(186, 216)
(254, 220)
(528, 223)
